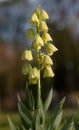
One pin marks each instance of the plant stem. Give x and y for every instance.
(38, 92)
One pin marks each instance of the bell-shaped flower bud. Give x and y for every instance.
(48, 72)
(30, 33)
(46, 37)
(44, 15)
(27, 55)
(47, 60)
(26, 69)
(34, 19)
(43, 26)
(33, 75)
(38, 42)
(50, 48)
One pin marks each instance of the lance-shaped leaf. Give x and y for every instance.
(40, 118)
(24, 112)
(48, 101)
(30, 98)
(69, 124)
(56, 116)
(24, 123)
(12, 126)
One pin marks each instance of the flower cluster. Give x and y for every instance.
(40, 39)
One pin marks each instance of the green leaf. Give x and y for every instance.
(39, 126)
(56, 116)
(40, 118)
(69, 124)
(30, 98)
(56, 122)
(12, 126)
(48, 101)
(24, 112)
(24, 123)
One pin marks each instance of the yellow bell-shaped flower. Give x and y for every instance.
(33, 75)
(46, 37)
(48, 72)
(43, 26)
(26, 69)
(44, 15)
(50, 48)
(38, 42)
(27, 55)
(47, 60)
(34, 19)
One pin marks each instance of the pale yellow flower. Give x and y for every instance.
(47, 60)
(46, 37)
(38, 42)
(41, 58)
(27, 55)
(50, 48)
(26, 69)
(48, 72)
(30, 32)
(43, 26)
(37, 11)
(33, 75)
(34, 19)
(44, 15)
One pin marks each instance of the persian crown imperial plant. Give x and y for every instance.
(33, 117)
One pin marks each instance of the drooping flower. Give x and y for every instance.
(44, 15)
(26, 69)
(43, 26)
(46, 37)
(30, 33)
(48, 72)
(38, 42)
(47, 60)
(27, 55)
(34, 19)
(33, 75)
(50, 48)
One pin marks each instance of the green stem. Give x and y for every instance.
(38, 92)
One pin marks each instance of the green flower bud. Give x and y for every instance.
(46, 37)
(44, 15)
(47, 60)
(26, 69)
(33, 75)
(34, 19)
(43, 26)
(48, 72)
(38, 42)
(30, 32)
(50, 49)
(27, 55)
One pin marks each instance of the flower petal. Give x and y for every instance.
(27, 55)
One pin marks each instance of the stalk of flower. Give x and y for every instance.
(41, 38)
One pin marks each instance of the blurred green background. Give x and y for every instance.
(64, 29)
